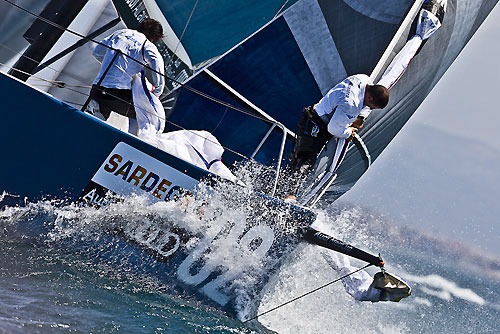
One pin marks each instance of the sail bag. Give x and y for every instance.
(199, 148)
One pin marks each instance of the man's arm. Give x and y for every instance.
(339, 124)
(155, 60)
(100, 50)
(365, 112)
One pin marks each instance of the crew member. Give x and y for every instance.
(114, 93)
(340, 113)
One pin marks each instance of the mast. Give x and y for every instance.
(42, 36)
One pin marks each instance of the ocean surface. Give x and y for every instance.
(57, 276)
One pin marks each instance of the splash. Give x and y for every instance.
(224, 241)
(216, 218)
(445, 289)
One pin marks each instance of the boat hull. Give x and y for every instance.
(52, 151)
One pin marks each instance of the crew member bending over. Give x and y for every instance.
(340, 113)
(115, 91)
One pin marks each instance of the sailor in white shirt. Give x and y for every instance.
(113, 92)
(340, 113)
(340, 107)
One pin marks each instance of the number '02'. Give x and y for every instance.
(212, 289)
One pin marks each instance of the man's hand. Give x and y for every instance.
(358, 123)
(352, 134)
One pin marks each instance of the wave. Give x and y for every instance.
(78, 235)
(443, 288)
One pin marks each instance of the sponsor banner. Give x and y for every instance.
(128, 171)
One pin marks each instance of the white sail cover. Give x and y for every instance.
(199, 148)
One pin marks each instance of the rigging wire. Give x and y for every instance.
(57, 84)
(279, 11)
(52, 83)
(183, 31)
(307, 293)
(211, 98)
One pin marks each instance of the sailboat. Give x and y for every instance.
(247, 89)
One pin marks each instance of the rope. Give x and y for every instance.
(144, 65)
(55, 83)
(279, 11)
(183, 31)
(307, 293)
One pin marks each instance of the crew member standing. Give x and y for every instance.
(115, 91)
(340, 113)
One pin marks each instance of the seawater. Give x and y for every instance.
(67, 279)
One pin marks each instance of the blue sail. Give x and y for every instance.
(216, 26)
(286, 66)
(198, 31)
(298, 57)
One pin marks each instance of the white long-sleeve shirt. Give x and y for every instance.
(136, 45)
(345, 101)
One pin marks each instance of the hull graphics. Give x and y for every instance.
(226, 257)
(128, 171)
(226, 247)
(217, 248)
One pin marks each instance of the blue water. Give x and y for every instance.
(59, 284)
(63, 282)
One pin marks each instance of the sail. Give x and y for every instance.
(197, 31)
(205, 29)
(287, 65)
(295, 59)
(462, 19)
(191, 37)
